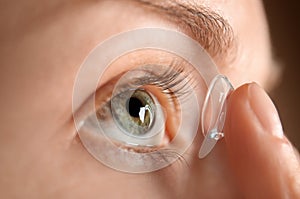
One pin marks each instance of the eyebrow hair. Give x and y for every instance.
(209, 28)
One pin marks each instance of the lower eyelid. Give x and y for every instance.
(142, 153)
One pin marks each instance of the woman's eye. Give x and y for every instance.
(146, 112)
(147, 115)
(135, 116)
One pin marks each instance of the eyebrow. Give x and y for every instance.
(209, 28)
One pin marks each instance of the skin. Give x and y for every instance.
(42, 47)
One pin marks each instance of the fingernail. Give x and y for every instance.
(265, 110)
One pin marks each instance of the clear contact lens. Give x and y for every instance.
(214, 113)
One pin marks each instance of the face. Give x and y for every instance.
(43, 45)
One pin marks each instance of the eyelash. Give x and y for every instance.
(173, 81)
(162, 154)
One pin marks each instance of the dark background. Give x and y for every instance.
(283, 18)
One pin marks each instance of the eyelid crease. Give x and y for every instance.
(209, 28)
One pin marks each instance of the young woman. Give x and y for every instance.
(44, 43)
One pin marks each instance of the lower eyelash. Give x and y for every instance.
(157, 153)
(166, 154)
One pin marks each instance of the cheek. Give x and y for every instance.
(76, 173)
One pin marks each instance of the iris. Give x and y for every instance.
(133, 111)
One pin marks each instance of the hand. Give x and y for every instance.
(264, 163)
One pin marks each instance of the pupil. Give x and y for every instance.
(134, 105)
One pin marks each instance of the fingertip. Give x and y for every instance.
(259, 153)
(237, 113)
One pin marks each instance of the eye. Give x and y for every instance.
(135, 116)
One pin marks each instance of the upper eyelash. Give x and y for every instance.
(171, 81)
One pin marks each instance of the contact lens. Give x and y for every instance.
(214, 113)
